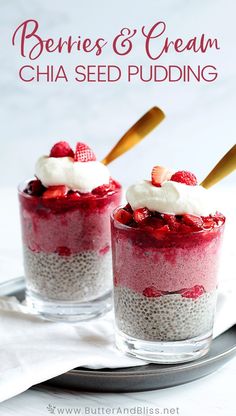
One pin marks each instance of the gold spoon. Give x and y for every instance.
(224, 167)
(136, 133)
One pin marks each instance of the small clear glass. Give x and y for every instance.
(67, 254)
(165, 292)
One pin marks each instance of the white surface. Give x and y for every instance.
(199, 128)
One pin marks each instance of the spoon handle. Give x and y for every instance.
(224, 167)
(136, 133)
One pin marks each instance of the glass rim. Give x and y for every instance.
(21, 186)
(173, 233)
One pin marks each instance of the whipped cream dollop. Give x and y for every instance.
(77, 176)
(171, 198)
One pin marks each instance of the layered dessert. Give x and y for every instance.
(65, 214)
(166, 244)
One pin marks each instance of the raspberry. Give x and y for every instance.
(123, 216)
(159, 175)
(35, 188)
(83, 153)
(193, 220)
(141, 214)
(184, 177)
(61, 149)
(152, 292)
(193, 293)
(55, 192)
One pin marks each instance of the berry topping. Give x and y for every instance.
(55, 192)
(171, 221)
(193, 292)
(152, 292)
(193, 220)
(123, 216)
(141, 214)
(73, 195)
(61, 149)
(183, 228)
(184, 177)
(159, 175)
(160, 233)
(101, 190)
(83, 153)
(155, 222)
(35, 188)
(162, 226)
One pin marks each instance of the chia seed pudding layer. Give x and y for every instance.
(81, 277)
(166, 318)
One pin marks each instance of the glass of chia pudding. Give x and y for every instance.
(166, 245)
(65, 217)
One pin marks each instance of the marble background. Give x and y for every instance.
(200, 123)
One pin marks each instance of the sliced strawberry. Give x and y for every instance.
(159, 175)
(193, 220)
(59, 191)
(83, 153)
(155, 222)
(160, 233)
(123, 216)
(152, 292)
(194, 292)
(61, 149)
(171, 222)
(141, 214)
(183, 228)
(186, 177)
